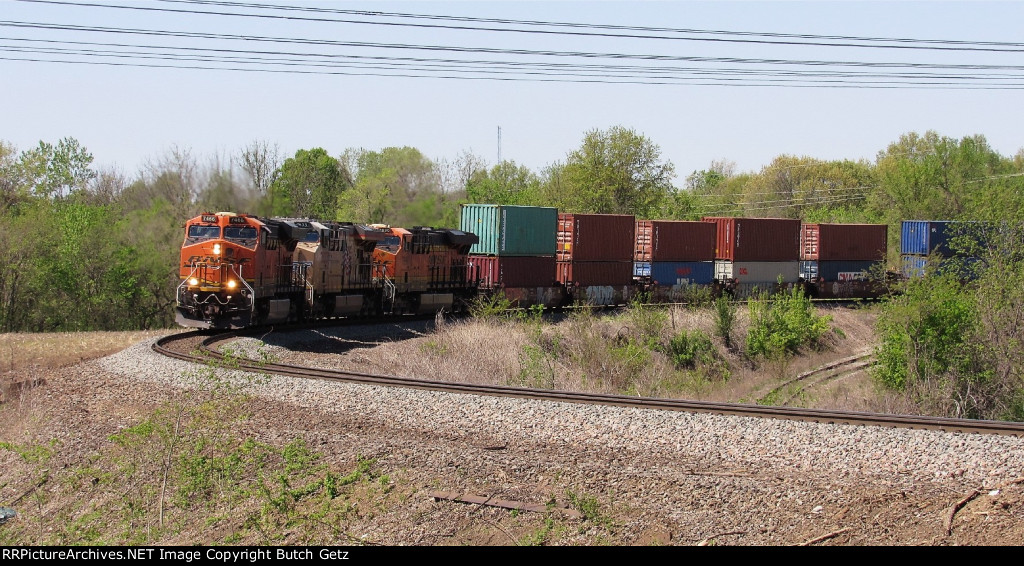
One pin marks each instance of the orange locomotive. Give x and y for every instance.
(423, 269)
(238, 270)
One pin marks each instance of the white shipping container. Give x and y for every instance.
(758, 271)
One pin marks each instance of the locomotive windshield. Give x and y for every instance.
(312, 237)
(199, 232)
(245, 235)
(240, 233)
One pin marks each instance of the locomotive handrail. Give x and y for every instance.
(252, 293)
(184, 282)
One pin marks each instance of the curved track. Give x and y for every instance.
(193, 347)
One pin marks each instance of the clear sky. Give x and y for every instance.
(134, 91)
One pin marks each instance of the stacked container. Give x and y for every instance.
(756, 252)
(595, 250)
(673, 253)
(516, 247)
(841, 252)
(921, 238)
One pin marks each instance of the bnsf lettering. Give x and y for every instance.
(215, 259)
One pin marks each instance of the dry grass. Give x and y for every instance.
(19, 351)
(621, 352)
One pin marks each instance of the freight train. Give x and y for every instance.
(240, 270)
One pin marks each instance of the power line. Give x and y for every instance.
(486, 67)
(810, 40)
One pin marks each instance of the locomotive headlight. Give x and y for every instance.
(216, 249)
(193, 282)
(231, 284)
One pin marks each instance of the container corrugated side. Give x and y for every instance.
(596, 237)
(670, 273)
(511, 230)
(674, 240)
(844, 242)
(758, 271)
(922, 237)
(756, 239)
(512, 271)
(595, 273)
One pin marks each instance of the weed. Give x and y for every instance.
(536, 368)
(589, 507)
(539, 536)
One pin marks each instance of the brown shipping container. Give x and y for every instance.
(756, 239)
(512, 271)
(674, 240)
(592, 273)
(844, 242)
(596, 237)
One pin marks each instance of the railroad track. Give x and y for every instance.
(202, 347)
(792, 389)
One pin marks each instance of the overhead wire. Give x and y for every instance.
(628, 68)
(789, 39)
(450, 65)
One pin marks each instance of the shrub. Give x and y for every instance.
(782, 324)
(725, 319)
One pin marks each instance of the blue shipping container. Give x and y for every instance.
(845, 270)
(641, 269)
(914, 266)
(808, 269)
(669, 273)
(922, 237)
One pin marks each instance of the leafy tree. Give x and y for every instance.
(617, 171)
(505, 183)
(397, 185)
(794, 187)
(309, 184)
(57, 170)
(933, 176)
(13, 188)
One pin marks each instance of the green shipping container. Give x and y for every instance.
(508, 230)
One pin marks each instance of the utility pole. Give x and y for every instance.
(499, 144)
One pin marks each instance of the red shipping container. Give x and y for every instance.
(756, 239)
(674, 240)
(595, 273)
(512, 271)
(844, 242)
(596, 237)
